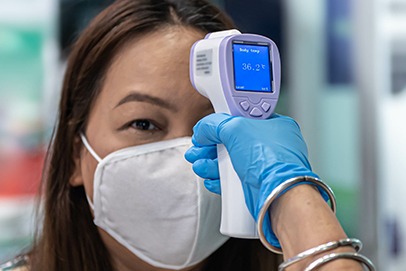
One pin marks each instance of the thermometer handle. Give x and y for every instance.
(236, 220)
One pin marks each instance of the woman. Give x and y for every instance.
(127, 84)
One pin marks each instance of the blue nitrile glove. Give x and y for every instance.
(264, 154)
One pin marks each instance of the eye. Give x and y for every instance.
(144, 125)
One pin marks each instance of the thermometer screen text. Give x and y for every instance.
(252, 71)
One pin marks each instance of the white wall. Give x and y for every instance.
(391, 137)
(383, 220)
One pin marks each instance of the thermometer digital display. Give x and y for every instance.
(252, 61)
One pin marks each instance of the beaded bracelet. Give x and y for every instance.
(355, 243)
(275, 194)
(345, 255)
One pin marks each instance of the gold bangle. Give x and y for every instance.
(275, 194)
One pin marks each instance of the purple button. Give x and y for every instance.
(255, 112)
(245, 105)
(265, 106)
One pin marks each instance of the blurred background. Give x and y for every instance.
(343, 80)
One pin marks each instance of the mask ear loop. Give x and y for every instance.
(95, 156)
(90, 202)
(89, 148)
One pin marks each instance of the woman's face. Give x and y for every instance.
(146, 97)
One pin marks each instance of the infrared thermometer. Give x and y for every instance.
(240, 75)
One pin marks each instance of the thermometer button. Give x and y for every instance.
(245, 105)
(255, 112)
(265, 106)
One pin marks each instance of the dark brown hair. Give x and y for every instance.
(68, 239)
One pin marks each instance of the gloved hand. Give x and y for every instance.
(264, 154)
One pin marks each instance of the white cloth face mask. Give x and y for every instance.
(149, 200)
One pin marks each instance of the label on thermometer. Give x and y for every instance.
(204, 62)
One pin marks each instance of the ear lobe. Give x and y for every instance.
(77, 178)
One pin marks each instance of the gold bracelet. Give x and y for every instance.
(275, 194)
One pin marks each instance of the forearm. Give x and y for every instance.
(301, 220)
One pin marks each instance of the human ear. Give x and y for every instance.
(77, 178)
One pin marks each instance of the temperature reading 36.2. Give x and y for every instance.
(253, 67)
(252, 70)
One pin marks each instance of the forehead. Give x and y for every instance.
(171, 44)
(156, 63)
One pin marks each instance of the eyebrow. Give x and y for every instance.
(139, 97)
